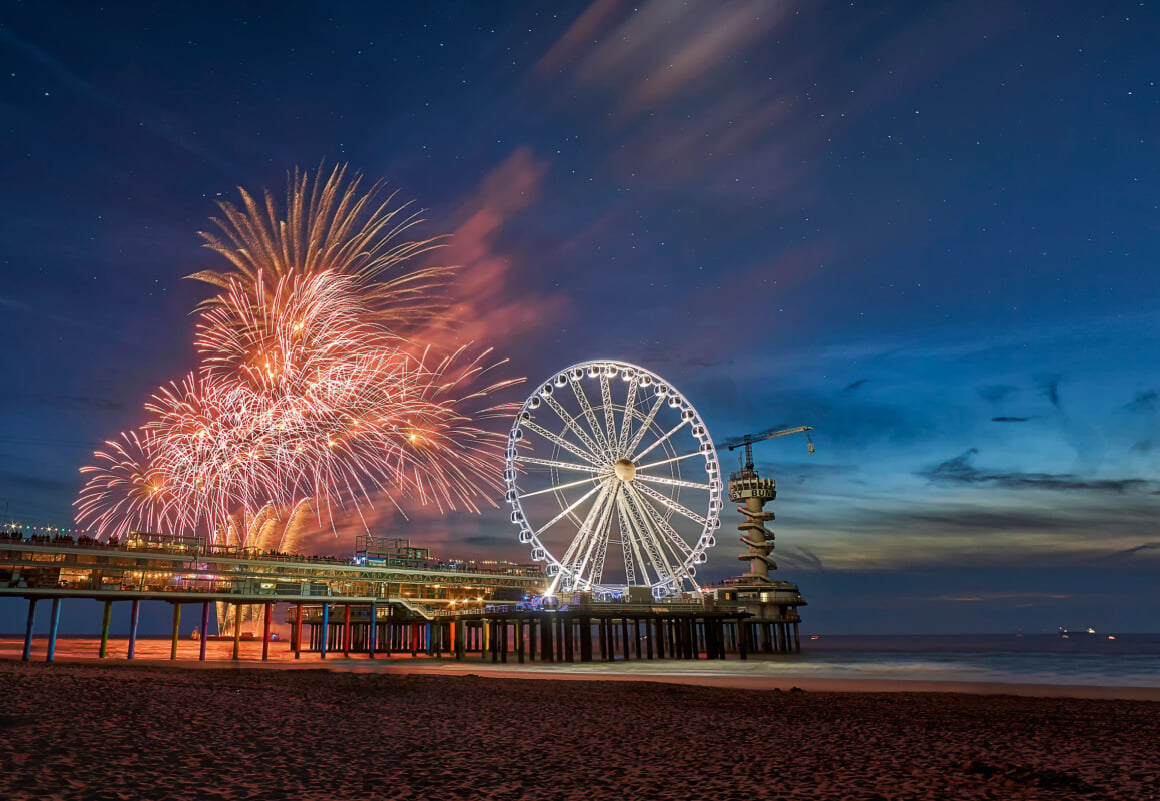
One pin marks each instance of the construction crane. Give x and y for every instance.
(746, 441)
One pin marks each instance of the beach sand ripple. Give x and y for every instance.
(121, 732)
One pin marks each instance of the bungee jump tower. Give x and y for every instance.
(773, 603)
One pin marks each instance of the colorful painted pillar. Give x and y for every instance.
(134, 616)
(53, 627)
(323, 641)
(346, 630)
(28, 630)
(176, 629)
(204, 631)
(108, 618)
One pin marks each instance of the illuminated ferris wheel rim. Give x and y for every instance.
(612, 456)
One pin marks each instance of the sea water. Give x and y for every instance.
(1038, 659)
(1079, 658)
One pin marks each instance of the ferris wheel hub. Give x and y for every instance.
(625, 469)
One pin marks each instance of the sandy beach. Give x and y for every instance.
(117, 731)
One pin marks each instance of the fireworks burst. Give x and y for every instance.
(313, 389)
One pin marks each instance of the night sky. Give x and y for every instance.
(930, 230)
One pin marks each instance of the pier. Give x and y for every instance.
(418, 606)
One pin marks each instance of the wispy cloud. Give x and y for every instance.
(960, 470)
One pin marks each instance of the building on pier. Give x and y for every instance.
(773, 605)
(139, 569)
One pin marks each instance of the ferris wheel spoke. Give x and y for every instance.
(640, 467)
(560, 441)
(597, 542)
(673, 548)
(558, 487)
(643, 546)
(628, 543)
(571, 423)
(567, 510)
(629, 413)
(663, 439)
(635, 539)
(589, 414)
(609, 419)
(585, 528)
(644, 426)
(658, 522)
(601, 554)
(672, 482)
(562, 465)
(664, 567)
(668, 502)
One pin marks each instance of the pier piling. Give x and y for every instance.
(176, 628)
(204, 631)
(108, 618)
(237, 631)
(27, 654)
(53, 627)
(134, 617)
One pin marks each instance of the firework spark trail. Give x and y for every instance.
(313, 392)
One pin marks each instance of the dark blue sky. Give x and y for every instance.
(928, 229)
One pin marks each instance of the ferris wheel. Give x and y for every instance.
(613, 481)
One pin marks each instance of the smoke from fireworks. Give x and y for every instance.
(313, 391)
